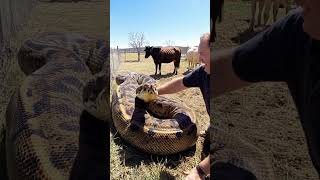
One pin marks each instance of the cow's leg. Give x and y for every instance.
(275, 10)
(266, 13)
(253, 14)
(174, 69)
(261, 4)
(156, 69)
(160, 69)
(287, 6)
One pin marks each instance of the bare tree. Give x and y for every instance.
(137, 40)
(169, 43)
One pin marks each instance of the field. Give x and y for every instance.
(129, 163)
(264, 113)
(52, 17)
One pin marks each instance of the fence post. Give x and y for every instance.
(118, 54)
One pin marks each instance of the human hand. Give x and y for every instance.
(193, 175)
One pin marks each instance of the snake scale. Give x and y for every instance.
(42, 117)
(227, 147)
(158, 126)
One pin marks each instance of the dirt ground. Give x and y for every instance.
(129, 163)
(264, 113)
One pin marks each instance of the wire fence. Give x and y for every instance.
(13, 16)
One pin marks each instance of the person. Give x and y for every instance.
(287, 51)
(200, 77)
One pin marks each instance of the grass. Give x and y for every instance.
(131, 57)
(129, 163)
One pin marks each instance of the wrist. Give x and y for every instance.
(160, 91)
(201, 171)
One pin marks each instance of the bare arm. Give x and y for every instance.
(224, 78)
(173, 86)
(205, 166)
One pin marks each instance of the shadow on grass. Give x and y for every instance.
(133, 156)
(166, 176)
(247, 34)
(3, 162)
(157, 77)
(244, 36)
(187, 71)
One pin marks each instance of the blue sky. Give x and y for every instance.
(180, 21)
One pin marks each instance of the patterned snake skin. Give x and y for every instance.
(43, 114)
(161, 126)
(228, 148)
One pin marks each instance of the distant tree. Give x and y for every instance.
(169, 43)
(137, 40)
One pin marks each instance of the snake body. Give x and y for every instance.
(161, 126)
(227, 147)
(43, 114)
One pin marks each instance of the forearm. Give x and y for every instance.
(224, 79)
(205, 165)
(173, 86)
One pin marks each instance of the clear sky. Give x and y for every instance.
(180, 21)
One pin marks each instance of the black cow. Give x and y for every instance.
(215, 13)
(164, 55)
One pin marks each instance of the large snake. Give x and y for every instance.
(43, 115)
(154, 125)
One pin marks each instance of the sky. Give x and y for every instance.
(180, 21)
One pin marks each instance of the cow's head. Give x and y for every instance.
(148, 51)
(216, 12)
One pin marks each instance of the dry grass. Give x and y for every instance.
(264, 113)
(129, 163)
(131, 57)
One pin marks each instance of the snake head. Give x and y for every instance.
(96, 96)
(147, 92)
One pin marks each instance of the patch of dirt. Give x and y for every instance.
(263, 114)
